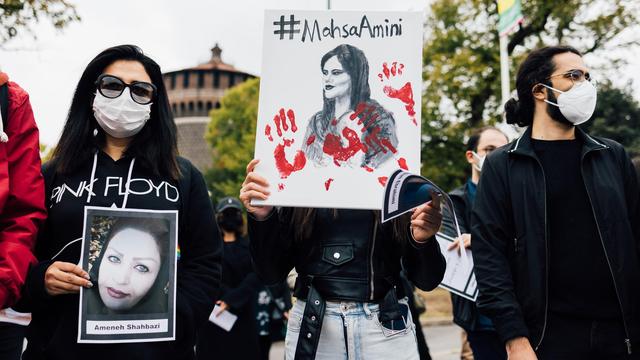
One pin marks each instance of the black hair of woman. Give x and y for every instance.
(154, 147)
(155, 300)
(355, 64)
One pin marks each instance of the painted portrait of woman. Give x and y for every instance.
(131, 271)
(352, 128)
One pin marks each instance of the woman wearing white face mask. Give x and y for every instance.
(118, 148)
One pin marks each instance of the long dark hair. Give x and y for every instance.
(154, 147)
(355, 63)
(155, 300)
(535, 69)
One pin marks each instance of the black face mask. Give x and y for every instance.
(554, 111)
(230, 221)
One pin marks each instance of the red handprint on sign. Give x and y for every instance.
(333, 145)
(374, 139)
(285, 168)
(404, 94)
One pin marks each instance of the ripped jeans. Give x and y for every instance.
(351, 330)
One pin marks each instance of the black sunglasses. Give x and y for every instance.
(111, 87)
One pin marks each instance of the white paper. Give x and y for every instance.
(295, 91)
(459, 277)
(225, 320)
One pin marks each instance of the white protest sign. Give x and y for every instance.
(339, 106)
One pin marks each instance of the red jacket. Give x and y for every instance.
(22, 209)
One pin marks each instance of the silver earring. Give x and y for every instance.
(95, 132)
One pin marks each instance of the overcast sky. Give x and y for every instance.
(177, 34)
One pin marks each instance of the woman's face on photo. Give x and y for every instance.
(336, 81)
(129, 268)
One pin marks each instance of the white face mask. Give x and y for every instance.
(479, 161)
(120, 117)
(578, 103)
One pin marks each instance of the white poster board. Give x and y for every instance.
(339, 106)
(130, 255)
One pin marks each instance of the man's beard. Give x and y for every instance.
(554, 111)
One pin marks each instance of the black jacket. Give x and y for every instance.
(53, 330)
(510, 238)
(239, 291)
(351, 256)
(465, 312)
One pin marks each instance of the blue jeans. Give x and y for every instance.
(351, 330)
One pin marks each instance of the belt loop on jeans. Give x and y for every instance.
(311, 325)
(365, 307)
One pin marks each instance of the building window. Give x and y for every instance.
(182, 109)
(174, 108)
(209, 105)
(200, 79)
(217, 105)
(200, 107)
(172, 78)
(232, 80)
(216, 79)
(190, 107)
(185, 79)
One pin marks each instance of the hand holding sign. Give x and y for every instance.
(65, 278)
(255, 187)
(426, 219)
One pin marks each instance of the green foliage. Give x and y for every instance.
(17, 16)
(232, 135)
(462, 64)
(617, 117)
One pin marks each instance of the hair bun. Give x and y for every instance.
(512, 109)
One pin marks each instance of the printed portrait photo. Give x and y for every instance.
(130, 256)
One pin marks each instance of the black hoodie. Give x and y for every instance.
(54, 328)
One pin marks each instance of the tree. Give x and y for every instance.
(617, 117)
(17, 16)
(462, 63)
(232, 135)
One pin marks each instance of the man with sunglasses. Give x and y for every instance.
(22, 208)
(556, 224)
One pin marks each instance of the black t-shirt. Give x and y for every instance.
(580, 281)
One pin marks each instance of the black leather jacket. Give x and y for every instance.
(510, 237)
(351, 257)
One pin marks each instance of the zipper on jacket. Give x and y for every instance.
(606, 256)
(546, 259)
(373, 246)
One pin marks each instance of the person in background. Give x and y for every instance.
(273, 305)
(22, 209)
(481, 334)
(556, 236)
(238, 294)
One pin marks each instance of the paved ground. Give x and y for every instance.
(443, 341)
